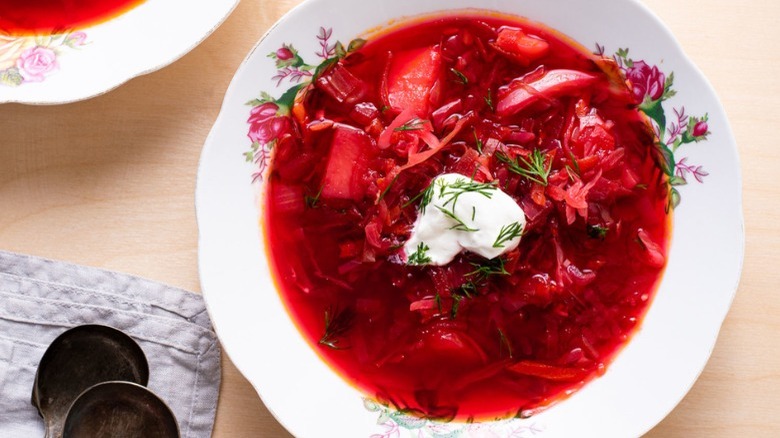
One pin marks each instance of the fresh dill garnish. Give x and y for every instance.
(504, 343)
(412, 125)
(597, 231)
(467, 289)
(311, 201)
(437, 300)
(482, 271)
(453, 191)
(576, 163)
(455, 305)
(461, 77)
(473, 212)
(489, 100)
(450, 193)
(337, 323)
(420, 256)
(426, 195)
(387, 189)
(507, 233)
(478, 142)
(572, 173)
(460, 225)
(536, 168)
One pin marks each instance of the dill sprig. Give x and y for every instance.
(412, 125)
(461, 77)
(337, 323)
(420, 256)
(483, 271)
(460, 224)
(453, 191)
(426, 195)
(536, 168)
(475, 279)
(456, 299)
(478, 142)
(507, 234)
(575, 163)
(597, 231)
(312, 201)
(504, 343)
(489, 100)
(465, 291)
(387, 189)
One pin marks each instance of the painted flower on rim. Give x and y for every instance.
(646, 81)
(651, 88)
(700, 129)
(265, 125)
(10, 50)
(36, 62)
(75, 39)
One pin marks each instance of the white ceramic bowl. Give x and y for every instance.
(646, 380)
(83, 63)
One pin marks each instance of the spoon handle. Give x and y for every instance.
(53, 428)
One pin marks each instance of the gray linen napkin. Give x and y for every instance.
(39, 299)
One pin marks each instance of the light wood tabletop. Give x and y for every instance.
(109, 182)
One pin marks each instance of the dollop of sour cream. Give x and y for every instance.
(458, 214)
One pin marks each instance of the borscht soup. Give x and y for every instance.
(43, 17)
(466, 217)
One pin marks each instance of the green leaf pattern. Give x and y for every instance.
(670, 137)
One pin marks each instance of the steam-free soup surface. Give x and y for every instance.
(502, 102)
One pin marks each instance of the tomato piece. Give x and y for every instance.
(411, 77)
(349, 150)
(522, 92)
(517, 45)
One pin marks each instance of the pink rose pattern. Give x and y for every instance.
(646, 81)
(651, 87)
(269, 119)
(265, 125)
(37, 62)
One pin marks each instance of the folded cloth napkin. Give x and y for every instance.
(39, 299)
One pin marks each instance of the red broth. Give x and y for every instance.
(474, 339)
(40, 17)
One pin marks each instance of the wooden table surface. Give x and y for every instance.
(109, 182)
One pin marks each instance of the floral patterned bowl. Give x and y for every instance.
(649, 376)
(78, 64)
